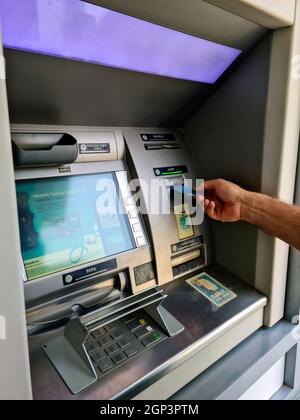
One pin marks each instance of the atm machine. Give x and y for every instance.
(124, 296)
(109, 303)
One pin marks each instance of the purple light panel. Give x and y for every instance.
(77, 30)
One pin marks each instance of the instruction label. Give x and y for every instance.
(183, 221)
(213, 290)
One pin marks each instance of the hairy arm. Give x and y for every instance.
(228, 202)
(272, 216)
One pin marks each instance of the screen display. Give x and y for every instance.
(68, 221)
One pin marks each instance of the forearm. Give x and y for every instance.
(272, 216)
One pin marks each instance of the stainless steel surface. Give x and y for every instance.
(197, 314)
(235, 373)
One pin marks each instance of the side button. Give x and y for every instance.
(141, 241)
(152, 338)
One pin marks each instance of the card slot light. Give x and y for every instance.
(81, 31)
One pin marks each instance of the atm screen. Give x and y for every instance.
(68, 221)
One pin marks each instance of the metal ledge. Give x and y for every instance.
(235, 373)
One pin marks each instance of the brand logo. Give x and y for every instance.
(2, 328)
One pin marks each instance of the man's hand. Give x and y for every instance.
(222, 200)
(228, 202)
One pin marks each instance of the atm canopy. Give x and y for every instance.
(70, 62)
(82, 31)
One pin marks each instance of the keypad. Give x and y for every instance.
(112, 345)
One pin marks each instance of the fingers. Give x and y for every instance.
(211, 185)
(210, 210)
(208, 206)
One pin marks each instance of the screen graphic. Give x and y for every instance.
(69, 221)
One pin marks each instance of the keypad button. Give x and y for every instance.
(128, 318)
(130, 351)
(118, 358)
(108, 327)
(116, 333)
(111, 348)
(105, 365)
(123, 342)
(142, 331)
(104, 339)
(97, 333)
(98, 355)
(90, 339)
(136, 323)
(91, 346)
(152, 338)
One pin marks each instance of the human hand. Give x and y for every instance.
(222, 200)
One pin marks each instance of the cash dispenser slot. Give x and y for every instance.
(57, 309)
(31, 149)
